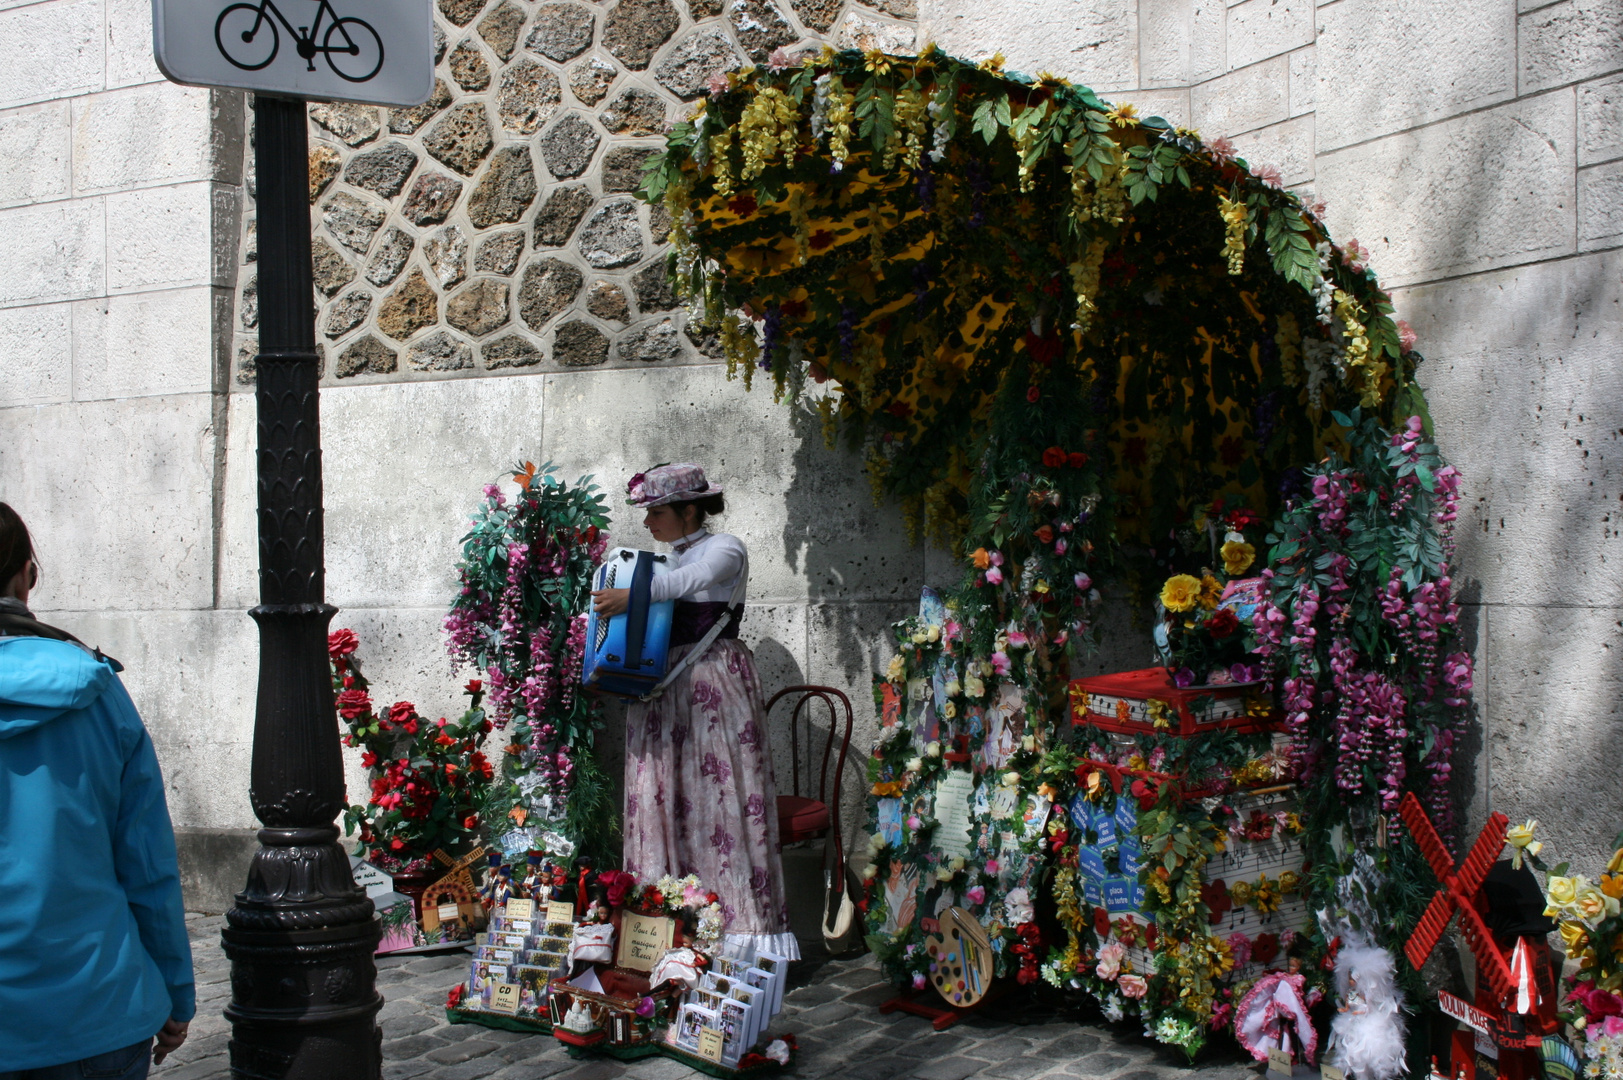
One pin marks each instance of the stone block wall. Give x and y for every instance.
(493, 229)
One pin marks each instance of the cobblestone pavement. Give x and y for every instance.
(832, 1008)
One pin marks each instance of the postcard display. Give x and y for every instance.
(625, 983)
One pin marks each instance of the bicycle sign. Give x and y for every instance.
(379, 52)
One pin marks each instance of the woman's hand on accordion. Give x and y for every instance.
(610, 602)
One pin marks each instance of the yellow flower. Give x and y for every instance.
(1561, 891)
(876, 61)
(1617, 862)
(1573, 935)
(992, 63)
(1238, 555)
(1180, 592)
(1125, 115)
(1211, 591)
(1157, 710)
(1521, 839)
(1594, 905)
(897, 671)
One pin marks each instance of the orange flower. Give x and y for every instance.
(1612, 885)
(982, 559)
(1045, 533)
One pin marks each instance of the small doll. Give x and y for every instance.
(533, 886)
(1367, 1033)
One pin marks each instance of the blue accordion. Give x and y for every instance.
(627, 654)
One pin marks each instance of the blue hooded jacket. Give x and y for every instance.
(93, 947)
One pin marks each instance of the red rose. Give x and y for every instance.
(821, 239)
(1076, 459)
(1101, 922)
(470, 822)
(475, 686)
(1033, 392)
(1223, 623)
(353, 704)
(397, 843)
(1053, 457)
(341, 643)
(1045, 533)
(401, 713)
(368, 760)
(1265, 948)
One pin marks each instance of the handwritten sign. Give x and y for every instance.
(952, 799)
(447, 912)
(711, 1043)
(520, 909)
(504, 998)
(1330, 1072)
(1279, 1062)
(559, 912)
(643, 940)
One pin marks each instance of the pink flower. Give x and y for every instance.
(1355, 255)
(1110, 958)
(1612, 1025)
(918, 982)
(1000, 663)
(778, 60)
(1406, 335)
(994, 576)
(1060, 545)
(913, 823)
(717, 83)
(975, 894)
(996, 557)
(1082, 582)
(1269, 174)
(1018, 640)
(1222, 150)
(1133, 986)
(1315, 207)
(991, 866)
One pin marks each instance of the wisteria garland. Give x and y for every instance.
(519, 620)
(1363, 627)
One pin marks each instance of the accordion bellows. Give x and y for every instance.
(628, 654)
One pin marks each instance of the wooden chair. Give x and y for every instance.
(801, 817)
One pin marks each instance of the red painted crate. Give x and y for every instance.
(1122, 702)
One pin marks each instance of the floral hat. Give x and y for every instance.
(668, 484)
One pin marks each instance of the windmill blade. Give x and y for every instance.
(1484, 853)
(1489, 960)
(1431, 845)
(1429, 929)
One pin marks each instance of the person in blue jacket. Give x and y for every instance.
(94, 960)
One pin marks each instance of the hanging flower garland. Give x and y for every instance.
(519, 619)
(924, 232)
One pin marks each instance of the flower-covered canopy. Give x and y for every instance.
(925, 231)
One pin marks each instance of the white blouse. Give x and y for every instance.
(710, 568)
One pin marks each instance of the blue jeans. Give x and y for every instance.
(129, 1063)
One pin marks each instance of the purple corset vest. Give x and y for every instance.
(692, 620)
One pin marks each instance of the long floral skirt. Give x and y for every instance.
(700, 798)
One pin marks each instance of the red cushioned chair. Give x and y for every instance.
(801, 817)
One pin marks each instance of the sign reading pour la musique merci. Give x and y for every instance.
(377, 52)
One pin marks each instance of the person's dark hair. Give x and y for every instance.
(708, 507)
(16, 547)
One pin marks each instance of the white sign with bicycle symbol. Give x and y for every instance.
(380, 52)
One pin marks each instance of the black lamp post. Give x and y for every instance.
(301, 937)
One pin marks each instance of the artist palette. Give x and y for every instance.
(960, 958)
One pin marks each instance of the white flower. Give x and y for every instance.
(1011, 779)
(974, 688)
(870, 872)
(914, 764)
(932, 749)
(1028, 743)
(1112, 1008)
(954, 688)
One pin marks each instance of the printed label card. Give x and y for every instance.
(504, 998)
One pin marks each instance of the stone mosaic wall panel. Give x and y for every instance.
(492, 229)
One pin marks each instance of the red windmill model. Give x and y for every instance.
(1515, 998)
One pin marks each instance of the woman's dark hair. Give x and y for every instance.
(16, 548)
(709, 506)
